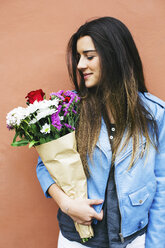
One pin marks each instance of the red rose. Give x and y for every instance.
(35, 95)
(67, 99)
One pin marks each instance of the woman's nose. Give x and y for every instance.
(82, 64)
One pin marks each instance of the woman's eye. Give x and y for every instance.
(90, 57)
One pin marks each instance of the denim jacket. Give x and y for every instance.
(140, 190)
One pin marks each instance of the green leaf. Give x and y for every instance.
(20, 135)
(16, 135)
(42, 141)
(32, 143)
(26, 122)
(34, 128)
(53, 129)
(47, 139)
(20, 143)
(57, 136)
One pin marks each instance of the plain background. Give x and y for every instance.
(34, 35)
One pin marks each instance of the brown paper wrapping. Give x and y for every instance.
(63, 162)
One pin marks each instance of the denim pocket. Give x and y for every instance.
(139, 197)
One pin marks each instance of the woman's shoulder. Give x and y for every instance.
(154, 99)
(154, 104)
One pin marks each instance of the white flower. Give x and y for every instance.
(48, 103)
(32, 108)
(42, 114)
(42, 109)
(45, 128)
(45, 104)
(15, 116)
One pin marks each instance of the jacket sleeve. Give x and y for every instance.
(156, 226)
(44, 177)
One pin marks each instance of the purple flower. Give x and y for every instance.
(58, 94)
(56, 119)
(69, 126)
(74, 111)
(65, 111)
(10, 127)
(73, 97)
(66, 108)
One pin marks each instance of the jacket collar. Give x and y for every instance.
(127, 149)
(104, 144)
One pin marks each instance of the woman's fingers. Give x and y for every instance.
(83, 222)
(82, 211)
(87, 223)
(88, 220)
(98, 216)
(95, 201)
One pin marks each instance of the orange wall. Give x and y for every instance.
(33, 39)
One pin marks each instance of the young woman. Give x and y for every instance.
(121, 141)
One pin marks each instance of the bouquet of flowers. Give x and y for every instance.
(49, 126)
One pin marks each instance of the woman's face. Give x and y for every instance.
(89, 62)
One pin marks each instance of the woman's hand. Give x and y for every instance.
(81, 211)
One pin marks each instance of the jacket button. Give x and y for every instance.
(141, 224)
(140, 201)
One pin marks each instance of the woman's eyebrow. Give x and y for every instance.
(87, 51)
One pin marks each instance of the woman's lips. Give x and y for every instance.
(87, 75)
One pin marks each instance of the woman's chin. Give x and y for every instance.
(89, 84)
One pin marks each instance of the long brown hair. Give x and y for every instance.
(121, 81)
